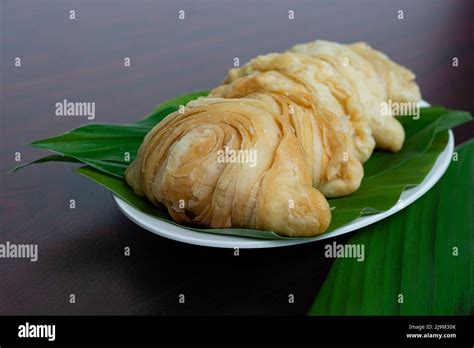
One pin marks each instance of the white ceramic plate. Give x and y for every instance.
(181, 234)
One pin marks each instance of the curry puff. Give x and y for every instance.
(280, 135)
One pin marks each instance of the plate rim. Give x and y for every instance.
(224, 241)
(181, 234)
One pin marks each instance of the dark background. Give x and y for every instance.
(81, 250)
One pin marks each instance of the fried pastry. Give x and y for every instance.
(375, 79)
(178, 166)
(297, 89)
(281, 133)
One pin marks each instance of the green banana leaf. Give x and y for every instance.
(417, 262)
(109, 149)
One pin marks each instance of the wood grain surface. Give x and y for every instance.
(81, 250)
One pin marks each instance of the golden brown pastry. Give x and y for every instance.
(321, 76)
(375, 79)
(181, 165)
(282, 132)
(296, 87)
(399, 81)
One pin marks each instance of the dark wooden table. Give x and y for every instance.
(81, 251)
